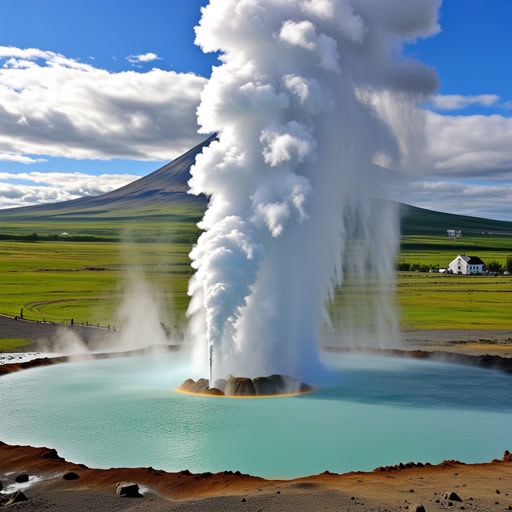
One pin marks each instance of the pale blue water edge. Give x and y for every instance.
(377, 411)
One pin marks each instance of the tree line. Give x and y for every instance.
(491, 266)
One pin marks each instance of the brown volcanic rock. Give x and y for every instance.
(192, 386)
(239, 386)
(265, 386)
(243, 386)
(214, 392)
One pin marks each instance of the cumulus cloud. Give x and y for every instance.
(465, 167)
(25, 189)
(470, 146)
(457, 101)
(54, 106)
(21, 159)
(463, 197)
(142, 58)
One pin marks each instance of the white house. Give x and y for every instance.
(463, 264)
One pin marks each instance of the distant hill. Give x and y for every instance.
(420, 221)
(162, 196)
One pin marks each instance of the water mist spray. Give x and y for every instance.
(311, 98)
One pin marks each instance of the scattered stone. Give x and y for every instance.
(451, 496)
(17, 497)
(51, 454)
(128, 490)
(21, 478)
(70, 475)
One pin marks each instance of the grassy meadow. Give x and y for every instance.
(85, 281)
(442, 301)
(83, 275)
(438, 301)
(439, 251)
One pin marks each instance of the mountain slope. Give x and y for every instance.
(419, 221)
(157, 192)
(162, 196)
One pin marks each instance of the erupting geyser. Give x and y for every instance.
(311, 99)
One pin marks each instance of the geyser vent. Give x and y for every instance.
(273, 385)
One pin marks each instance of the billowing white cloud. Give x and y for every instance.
(51, 106)
(142, 58)
(466, 167)
(29, 188)
(54, 106)
(470, 146)
(477, 199)
(457, 101)
(21, 159)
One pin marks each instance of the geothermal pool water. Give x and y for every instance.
(375, 411)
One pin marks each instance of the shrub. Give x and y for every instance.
(508, 264)
(494, 266)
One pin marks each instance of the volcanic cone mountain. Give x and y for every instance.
(163, 193)
(167, 185)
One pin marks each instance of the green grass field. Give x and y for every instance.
(440, 251)
(60, 281)
(13, 344)
(438, 301)
(84, 281)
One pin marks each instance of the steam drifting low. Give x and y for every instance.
(311, 98)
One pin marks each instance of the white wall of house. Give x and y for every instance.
(461, 265)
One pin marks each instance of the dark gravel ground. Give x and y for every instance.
(44, 332)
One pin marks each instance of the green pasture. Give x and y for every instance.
(13, 344)
(440, 251)
(60, 280)
(86, 282)
(443, 301)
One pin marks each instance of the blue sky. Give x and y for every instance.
(94, 94)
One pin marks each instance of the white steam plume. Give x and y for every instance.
(139, 317)
(309, 96)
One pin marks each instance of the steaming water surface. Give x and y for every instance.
(376, 411)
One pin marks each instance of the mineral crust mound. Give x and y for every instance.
(246, 387)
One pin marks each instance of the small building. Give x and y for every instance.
(454, 233)
(463, 264)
